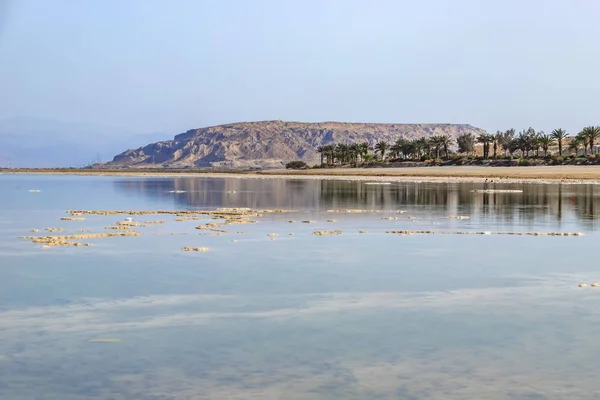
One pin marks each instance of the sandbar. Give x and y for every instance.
(571, 174)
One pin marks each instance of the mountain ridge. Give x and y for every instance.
(270, 144)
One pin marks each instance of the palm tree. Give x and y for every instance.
(574, 144)
(396, 149)
(422, 145)
(364, 149)
(532, 141)
(329, 150)
(545, 141)
(412, 149)
(583, 140)
(437, 142)
(321, 150)
(512, 146)
(325, 153)
(536, 144)
(496, 138)
(354, 151)
(504, 139)
(402, 147)
(559, 135)
(523, 141)
(342, 152)
(446, 142)
(465, 142)
(485, 139)
(381, 148)
(527, 141)
(591, 133)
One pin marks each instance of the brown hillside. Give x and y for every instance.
(271, 143)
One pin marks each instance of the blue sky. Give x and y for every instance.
(172, 65)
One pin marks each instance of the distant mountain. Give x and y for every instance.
(270, 143)
(37, 142)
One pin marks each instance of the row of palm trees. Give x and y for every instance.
(345, 153)
(529, 141)
(355, 153)
(526, 143)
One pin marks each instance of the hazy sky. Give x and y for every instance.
(171, 65)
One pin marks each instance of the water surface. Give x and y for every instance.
(353, 316)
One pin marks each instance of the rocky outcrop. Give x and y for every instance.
(270, 144)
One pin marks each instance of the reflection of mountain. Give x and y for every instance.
(554, 203)
(211, 193)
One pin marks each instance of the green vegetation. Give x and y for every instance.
(402, 149)
(466, 143)
(529, 147)
(381, 148)
(296, 165)
(559, 135)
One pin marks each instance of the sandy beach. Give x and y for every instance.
(543, 174)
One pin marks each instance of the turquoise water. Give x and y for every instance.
(354, 316)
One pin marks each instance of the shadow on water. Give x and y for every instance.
(548, 202)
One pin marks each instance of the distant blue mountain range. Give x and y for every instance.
(37, 142)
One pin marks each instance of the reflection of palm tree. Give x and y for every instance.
(559, 135)
(559, 203)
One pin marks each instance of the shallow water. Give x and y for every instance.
(353, 316)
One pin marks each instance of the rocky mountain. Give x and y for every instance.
(270, 143)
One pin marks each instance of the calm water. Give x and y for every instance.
(354, 316)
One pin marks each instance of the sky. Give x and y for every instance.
(174, 65)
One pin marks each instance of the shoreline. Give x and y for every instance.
(446, 174)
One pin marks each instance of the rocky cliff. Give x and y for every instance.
(270, 143)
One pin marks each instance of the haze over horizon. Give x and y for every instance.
(156, 66)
